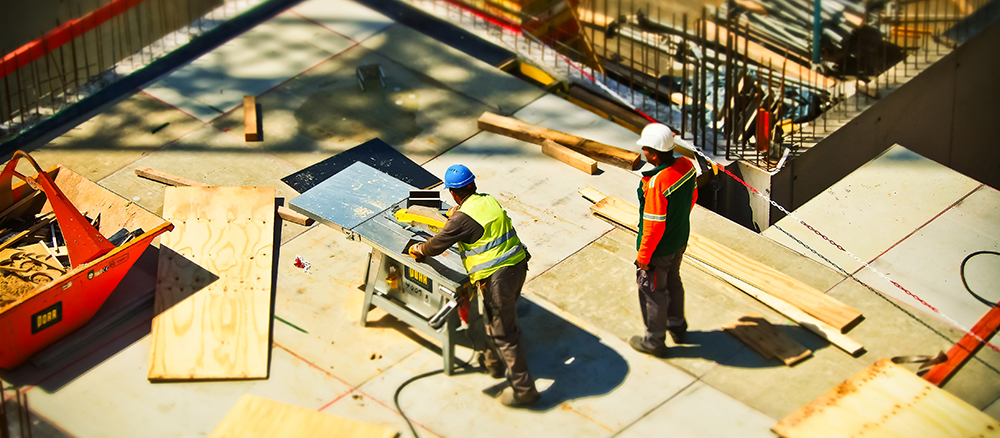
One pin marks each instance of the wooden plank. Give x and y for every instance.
(808, 299)
(808, 322)
(18, 204)
(566, 155)
(966, 347)
(166, 178)
(250, 118)
(767, 340)
(604, 153)
(258, 417)
(761, 276)
(213, 286)
(886, 400)
(176, 181)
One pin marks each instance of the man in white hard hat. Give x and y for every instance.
(666, 196)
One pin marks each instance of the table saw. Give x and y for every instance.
(361, 201)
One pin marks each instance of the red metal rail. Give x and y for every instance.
(967, 347)
(61, 35)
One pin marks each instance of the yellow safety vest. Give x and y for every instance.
(499, 245)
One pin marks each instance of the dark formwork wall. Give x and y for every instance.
(949, 113)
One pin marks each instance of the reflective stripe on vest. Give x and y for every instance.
(498, 247)
(493, 244)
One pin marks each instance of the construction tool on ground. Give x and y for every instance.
(58, 307)
(362, 202)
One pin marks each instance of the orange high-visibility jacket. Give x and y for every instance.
(666, 196)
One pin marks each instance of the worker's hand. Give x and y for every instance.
(451, 211)
(641, 265)
(415, 250)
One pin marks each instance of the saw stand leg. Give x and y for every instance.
(374, 264)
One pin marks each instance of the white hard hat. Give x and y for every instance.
(657, 136)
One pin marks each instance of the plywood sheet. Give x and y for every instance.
(886, 400)
(213, 287)
(254, 417)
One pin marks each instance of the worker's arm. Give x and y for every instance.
(654, 217)
(459, 228)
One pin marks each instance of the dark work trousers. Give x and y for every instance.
(503, 336)
(661, 295)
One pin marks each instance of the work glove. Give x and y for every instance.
(451, 211)
(414, 252)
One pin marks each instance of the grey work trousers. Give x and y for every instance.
(661, 295)
(503, 336)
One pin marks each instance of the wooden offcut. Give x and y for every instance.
(250, 118)
(582, 162)
(886, 400)
(766, 340)
(517, 129)
(176, 181)
(213, 286)
(257, 417)
(822, 306)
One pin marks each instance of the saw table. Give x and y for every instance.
(360, 201)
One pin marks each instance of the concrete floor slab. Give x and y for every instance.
(459, 407)
(323, 112)
(345, 17)
(118, 136)
(993, 409)
(359, 406)
(249, 64)
(892, 329)
(327, 304)
(929, 262)
(466, 75)
(875, 207)
(685, 416)
(117, 393)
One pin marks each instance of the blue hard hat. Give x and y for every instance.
(458, 176)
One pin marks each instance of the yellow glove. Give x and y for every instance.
(451, 211)
(414, 251)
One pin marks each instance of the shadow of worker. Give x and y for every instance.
(576, 361)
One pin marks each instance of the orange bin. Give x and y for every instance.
(54, 309)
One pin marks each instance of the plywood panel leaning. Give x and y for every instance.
(886, 400)
(257, 417)
(213, 286)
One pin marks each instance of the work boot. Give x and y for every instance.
(678, 333)
(512, 400)
(496, 370)
(638, 343)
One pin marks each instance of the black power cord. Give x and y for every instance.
(395, 397)
(964, 283)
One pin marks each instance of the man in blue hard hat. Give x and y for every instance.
(497, 262)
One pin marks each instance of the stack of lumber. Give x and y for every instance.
(213, 285)
(886, 400)
(257, 417)
(810, 308)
